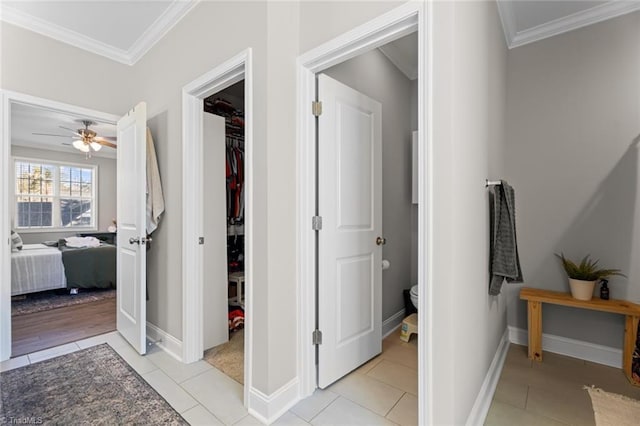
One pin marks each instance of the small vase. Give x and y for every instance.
(581, 290)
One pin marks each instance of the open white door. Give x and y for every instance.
(132, 250)
(214, 251)
(350, 241)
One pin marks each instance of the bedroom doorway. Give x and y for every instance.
(57, 190)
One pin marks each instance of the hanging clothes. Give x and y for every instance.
(155, 198)
(235, 181)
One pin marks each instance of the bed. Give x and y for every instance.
(38, 268)
(90, 267)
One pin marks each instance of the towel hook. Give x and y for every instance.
(488, 182)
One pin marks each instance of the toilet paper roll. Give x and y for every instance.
(385, 264)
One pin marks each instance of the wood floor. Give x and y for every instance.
(43, 330)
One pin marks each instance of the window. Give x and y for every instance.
(54, 196)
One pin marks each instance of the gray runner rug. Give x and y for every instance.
(94, 386)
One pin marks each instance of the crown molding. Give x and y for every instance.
(508, 19)
(568, 23)
(160, 27)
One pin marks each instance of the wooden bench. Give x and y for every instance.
(536, 297)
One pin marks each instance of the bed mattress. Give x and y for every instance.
(36, 268)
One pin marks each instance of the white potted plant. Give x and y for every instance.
(583, 276)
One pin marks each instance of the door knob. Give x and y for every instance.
(381, 241)
(140, 241)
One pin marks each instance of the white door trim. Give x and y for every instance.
(398, 22)
(230, 72)
(8, 98)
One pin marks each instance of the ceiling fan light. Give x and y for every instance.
(96, 146)
(80, 145)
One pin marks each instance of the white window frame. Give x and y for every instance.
(56, 196)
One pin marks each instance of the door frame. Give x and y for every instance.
(403, 20)
(7, 99)
(193, 94)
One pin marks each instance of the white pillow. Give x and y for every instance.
(16, 241)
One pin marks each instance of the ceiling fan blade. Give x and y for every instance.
(50, 134)
(75, 132)
(105, 138)
(105, 143)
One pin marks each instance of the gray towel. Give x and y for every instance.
(504, 262)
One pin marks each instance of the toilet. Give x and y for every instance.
(410, 323)
(413, 293)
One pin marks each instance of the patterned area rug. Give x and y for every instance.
(612, 409)
(92, 386)
(46, 300)
(229, 357)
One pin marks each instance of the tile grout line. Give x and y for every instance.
(186, 391)
(324, 408)
(361, 406)
(327, 406)
(394, 405)
(199, 403)
(385, 383)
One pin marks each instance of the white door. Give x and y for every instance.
(132, 251)
(349, 255)
(214, 252)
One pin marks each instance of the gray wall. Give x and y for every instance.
(106, 188)
(573, 131)
(375, 76)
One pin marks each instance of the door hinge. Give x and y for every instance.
(201, 240)
(316, 108)
(317, 337)
(316, 223)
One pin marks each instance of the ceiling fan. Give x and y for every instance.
(86, 140)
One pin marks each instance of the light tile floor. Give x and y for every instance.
(383, 391)
(551, 392)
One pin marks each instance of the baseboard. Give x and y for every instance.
(392, 323)
(165, 341)
(480, 408)
(268, 408)
(571, 347)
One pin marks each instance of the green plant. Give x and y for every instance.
(587, 270)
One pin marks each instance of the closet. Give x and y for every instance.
(224, 166)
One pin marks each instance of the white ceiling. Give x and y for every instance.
(26, 120)
(403, 53)
(120, 30)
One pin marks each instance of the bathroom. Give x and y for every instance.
(395, 86)
(389, 75)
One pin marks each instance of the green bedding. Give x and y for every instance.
(93, 267)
